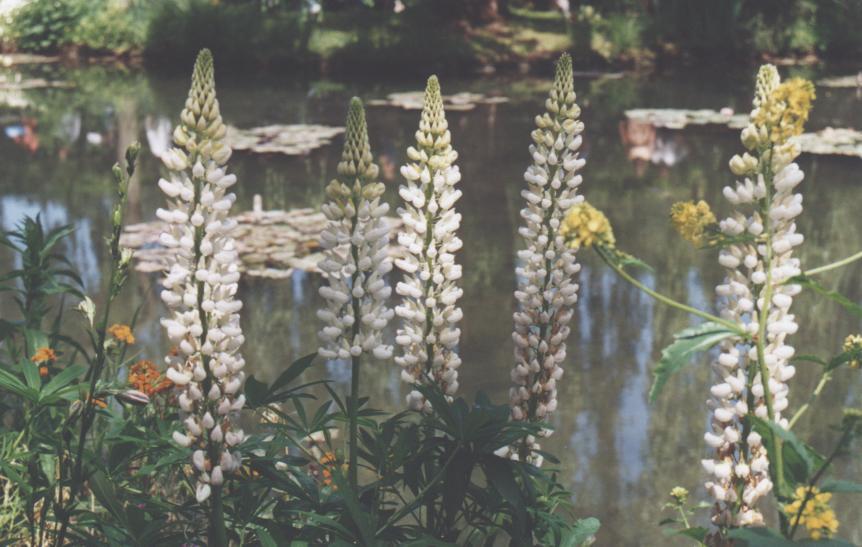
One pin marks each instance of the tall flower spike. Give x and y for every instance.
(546, 290)
(200, 286)
(356, 259)
(755, 296)
(429, 333)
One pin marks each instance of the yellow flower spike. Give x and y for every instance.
(122, 333)
(585, 226)
(853, 342)
(817, 516)
(691, 220)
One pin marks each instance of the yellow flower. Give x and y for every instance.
(122, 333)
(44, 355)
(817, 516)
(585, 226)
(853, 342)
(785, 110)
(679, 495)
(691, 219)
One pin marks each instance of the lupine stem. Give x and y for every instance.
(834, 265)
(666, 299)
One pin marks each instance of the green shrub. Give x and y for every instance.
(45, 25)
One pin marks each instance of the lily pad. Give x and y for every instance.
(412, 100)
(675, 118)
(271, 244)
(832, 141)
(291, 140)
(852, 81)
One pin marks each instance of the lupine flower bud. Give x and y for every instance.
(200, 285)
(429, 332)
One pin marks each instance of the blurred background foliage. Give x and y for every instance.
(422, 35)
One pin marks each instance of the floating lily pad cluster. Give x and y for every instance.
(832, 141)
(291, 140)
(675, 118)
(271, 244)
(412, 100)
(852, 81)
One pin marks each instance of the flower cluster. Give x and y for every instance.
(853, 344)
(755, 296)
(201, 284)
(356, 259)
(42, 358)
(146, 378)
(429, 333)
(122, 333)
(786, 109)
(817, 516)
(585, 226)
(691, 220)
(547, 292)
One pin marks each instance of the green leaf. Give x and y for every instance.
(800, 460)
(809, 283)
(581, 532)
(758, 537)
(104, 492)
(677, 355)
(697, 533)
(64, 378)
(293, 371)
(8, 382)
(841, 486)
(31, 375)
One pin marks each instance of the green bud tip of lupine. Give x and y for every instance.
(356, 140)
(767, 80)
(132, 153)
(564, 77)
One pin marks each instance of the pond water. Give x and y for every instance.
(620, 455)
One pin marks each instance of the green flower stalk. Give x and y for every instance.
(200, 289)
(355, 243)
(429, 332)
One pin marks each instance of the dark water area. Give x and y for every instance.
(620, 455)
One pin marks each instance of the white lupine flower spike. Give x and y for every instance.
(755, 296)
(355, 243)
(200, 286)
(546, 290)
(428, 335)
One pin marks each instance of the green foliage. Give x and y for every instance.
(686, 343)
(45, 25)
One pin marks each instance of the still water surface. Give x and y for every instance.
(620, 455)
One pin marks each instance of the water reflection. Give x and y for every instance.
(620, 455)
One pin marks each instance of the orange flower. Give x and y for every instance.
(43, 371)
(43, 355)
(145, 377)
(122, 333)
(100, 403)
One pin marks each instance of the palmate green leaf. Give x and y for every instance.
(841, 486)
(686, 343)
(809, 283)
(581, 532)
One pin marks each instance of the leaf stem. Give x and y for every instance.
(666, 299)
(834, 265)
(825, 377)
